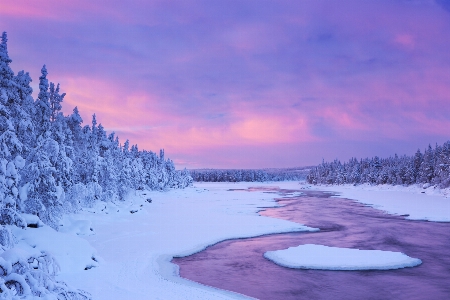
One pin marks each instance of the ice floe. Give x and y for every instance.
(322, 257)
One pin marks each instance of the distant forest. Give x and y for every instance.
(249, 175)
(432, 167)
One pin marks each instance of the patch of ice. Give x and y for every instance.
(321, 257)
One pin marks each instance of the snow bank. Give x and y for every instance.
(73, 254)
(29, 266)
(414, 202)
(321, 257)
(137, 239)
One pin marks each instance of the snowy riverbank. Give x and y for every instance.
(414, 202)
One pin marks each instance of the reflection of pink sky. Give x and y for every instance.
(284, 84)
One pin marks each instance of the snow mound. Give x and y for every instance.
(29, 271)
(321, 257)
(72, 253)
(32, 220)
(70, 224)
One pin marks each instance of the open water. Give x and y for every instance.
(239, 265)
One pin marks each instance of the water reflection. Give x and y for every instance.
(239, 265)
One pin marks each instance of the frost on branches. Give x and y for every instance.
(50, 165)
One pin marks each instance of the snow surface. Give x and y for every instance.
(32, 220)
(413, 202)
(321, 257)
(72, 253)
(135, 249)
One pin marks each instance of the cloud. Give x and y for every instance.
(235, 83)
(445, 4)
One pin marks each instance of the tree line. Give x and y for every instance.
(247, 175)
(51, 164)
(432, 167)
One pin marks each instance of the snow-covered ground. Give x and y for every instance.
(134, 250)
(321, 257)
(414, 202)
(123, 250)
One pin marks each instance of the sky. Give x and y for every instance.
(246, 83)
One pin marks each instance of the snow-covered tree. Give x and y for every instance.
(432, 167)
(55, 100)
(42, 104)
(43, 194)
(11, 147)
(51, 163)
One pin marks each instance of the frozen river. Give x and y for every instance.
(239, 265)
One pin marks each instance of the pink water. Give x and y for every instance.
(239, 265)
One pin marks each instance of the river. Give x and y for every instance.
(239, 266)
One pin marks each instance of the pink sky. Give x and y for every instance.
(246, 84)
